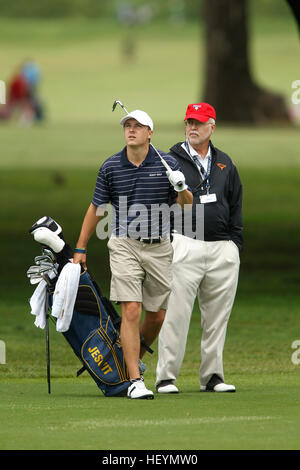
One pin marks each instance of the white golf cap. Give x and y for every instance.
(140, 116)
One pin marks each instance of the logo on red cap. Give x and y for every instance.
(200, 111)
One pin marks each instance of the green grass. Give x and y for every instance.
(51, 169)
(189, 420)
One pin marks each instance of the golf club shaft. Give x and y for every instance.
(47, 279)
(48, 343)
(162, 159)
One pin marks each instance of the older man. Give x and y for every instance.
(140, 260)
(204, 266)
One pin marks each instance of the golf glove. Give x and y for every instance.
(177, 180)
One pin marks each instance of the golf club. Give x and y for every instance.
(47, 279)
(168, 168)
(121, 104)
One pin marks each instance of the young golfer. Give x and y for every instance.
(140, 248)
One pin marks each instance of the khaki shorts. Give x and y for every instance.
(141, 272)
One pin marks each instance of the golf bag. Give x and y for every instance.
(93, 332)
(94, 337)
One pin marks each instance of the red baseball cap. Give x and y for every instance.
(200, 111)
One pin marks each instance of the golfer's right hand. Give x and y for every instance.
(177, 180)
(80, 258)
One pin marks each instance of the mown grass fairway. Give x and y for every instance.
(74, 417)
(51, 170)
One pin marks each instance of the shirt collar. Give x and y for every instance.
(149, 157)
(192, 152)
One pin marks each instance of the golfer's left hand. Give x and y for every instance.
(177, 180)
(80, 258)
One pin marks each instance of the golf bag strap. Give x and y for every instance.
(80, 371)
(145, 345)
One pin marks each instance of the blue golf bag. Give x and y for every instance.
(94, 337)
(94, 330)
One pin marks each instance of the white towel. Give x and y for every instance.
(37, 302)
(64, 296)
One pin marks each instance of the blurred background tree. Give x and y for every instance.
(180, 9)
(229, 84)
(295, 8)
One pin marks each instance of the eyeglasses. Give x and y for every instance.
(194, 122)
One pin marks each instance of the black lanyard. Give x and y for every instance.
(204, 175)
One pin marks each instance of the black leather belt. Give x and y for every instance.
(150, 240)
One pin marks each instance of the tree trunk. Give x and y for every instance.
(295, 7)
(229, 86)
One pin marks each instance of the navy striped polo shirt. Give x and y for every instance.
(137, 194)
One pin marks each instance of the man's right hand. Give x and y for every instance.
(80, 258)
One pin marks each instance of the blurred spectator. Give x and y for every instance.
(23, 99)
(32, 74)
(126, 13)
(18, 97)
(177, 12)
(129, 17)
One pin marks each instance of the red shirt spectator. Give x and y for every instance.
(18, 89)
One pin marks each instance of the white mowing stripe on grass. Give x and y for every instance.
(107, 423)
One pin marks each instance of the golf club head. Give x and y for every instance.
(49, 253)
(43, 259)
(39, 270)
(35, 279)
(114, 105)
(47, 256)
(33, 270)
(44, 267)
(119, 103)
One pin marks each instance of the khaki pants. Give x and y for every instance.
(141, 272)
(209, 271)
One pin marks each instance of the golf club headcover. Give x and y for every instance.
(49, 233)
